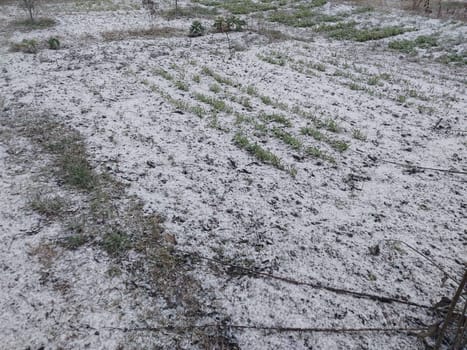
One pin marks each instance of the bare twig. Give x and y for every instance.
(410, 331)
(451, 171)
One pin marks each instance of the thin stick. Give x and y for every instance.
(452, 171)
(270, 328)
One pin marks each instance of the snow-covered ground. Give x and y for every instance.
(164, 116)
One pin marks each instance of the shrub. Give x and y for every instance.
(196, 29)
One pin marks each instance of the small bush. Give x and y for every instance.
(196, 29)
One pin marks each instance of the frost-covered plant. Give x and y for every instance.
(196, 29)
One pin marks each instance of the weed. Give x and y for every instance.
(241, 118)
(190, 12)
(363, 9)
(292, 171)
(316, 134)
(356, 87)
(245, 102)
(319, 66)
(385, 76)
(304, 16)
(266, 100)
(244, 7)
(164, 32)
(196, 29)
(47, 204)
(215, 88)
(75, 168)
(196, 78)
(217, 77)
(338, 145)
(315, 152)
(348, 31)
(229, 24)
(198, 111)
(408, 46)
(331, 125)
(276, 118)
(401, 99)
(217, 104)
(251, 90)
(274, 58)
(75, 241)
(257, 151)
(181, 85)
(26, 46)
(287, 138)
(116, 243)
(454, 58)
(426, 41)
(358, 135)
(54, 44)
(164, 74)
(374, 80)
(38, 23)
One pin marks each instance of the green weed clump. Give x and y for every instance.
(409, 46)
(348, 31)
(263, 155)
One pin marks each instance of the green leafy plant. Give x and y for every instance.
(196, 29)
